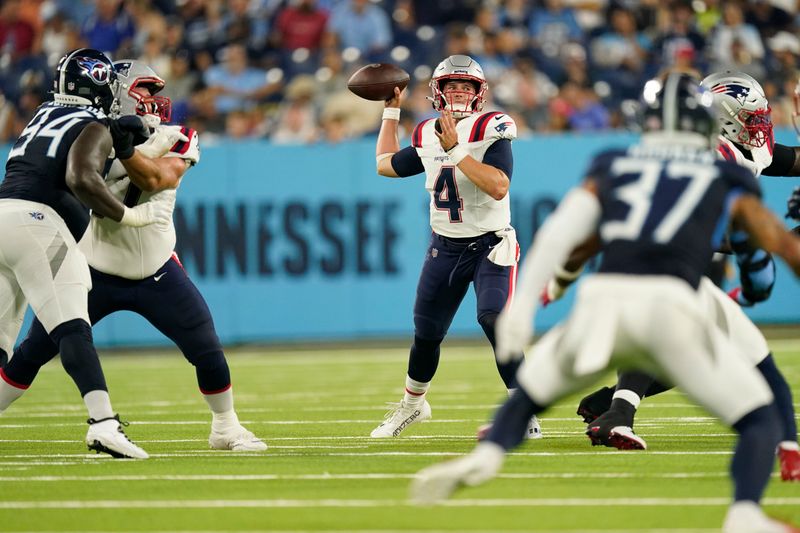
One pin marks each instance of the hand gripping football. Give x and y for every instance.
(377, 81)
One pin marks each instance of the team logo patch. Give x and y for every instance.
(36, 215)
(735, 90)
(503, 126)
(94, 69)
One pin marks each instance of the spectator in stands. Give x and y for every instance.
(552, 27)
(300, 24)
(734, 42)
(181, 83)
(58, 35)
(235, 85)
(679, 33)
(297, 117)
(619, 55)
(17, 36)
(110, 29)
(785, 48)
(361, 25)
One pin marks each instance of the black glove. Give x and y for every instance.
(793, 205)
(127, 131)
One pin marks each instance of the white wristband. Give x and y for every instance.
(391, 113)
(457, 153)
(565, 275)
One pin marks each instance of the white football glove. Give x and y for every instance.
(513, 334)
(146, 214)
(161, 141)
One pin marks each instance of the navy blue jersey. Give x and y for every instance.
(37, 164)
(665, 209)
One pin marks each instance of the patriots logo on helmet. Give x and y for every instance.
(734, 90)
(94, 69)
(123, 68)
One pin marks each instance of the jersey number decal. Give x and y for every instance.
(445, 194)
(638, 194)
(55, 130)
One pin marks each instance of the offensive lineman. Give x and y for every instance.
(467, 160)
(53, 176)
(136, 269)
(657, 207)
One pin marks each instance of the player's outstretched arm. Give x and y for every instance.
(388, 144)
(85, 164)
(151, 172)
(766, 230)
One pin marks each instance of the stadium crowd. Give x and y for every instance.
(277, 69)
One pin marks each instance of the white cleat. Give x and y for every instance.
(533, 431)
(235, 438)
(747, 517)
(106, 435)
(437, 483)
(400, 417)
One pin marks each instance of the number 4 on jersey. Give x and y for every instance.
(445, 194)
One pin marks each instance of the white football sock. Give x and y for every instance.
(789, 445)
(8, 393)
(220, 402)
(415, 391)
(98, 404)
(629, 396)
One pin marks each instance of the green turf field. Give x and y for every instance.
(322, 473)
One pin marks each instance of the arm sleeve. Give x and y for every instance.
(783, 159)
(499, 156)
(406, 162)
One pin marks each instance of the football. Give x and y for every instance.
(377, 81)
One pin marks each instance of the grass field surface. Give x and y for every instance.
(322, 472)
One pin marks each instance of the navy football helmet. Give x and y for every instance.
(86, 77)
(679, 109)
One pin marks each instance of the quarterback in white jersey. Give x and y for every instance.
(467, 160)
(139, 271)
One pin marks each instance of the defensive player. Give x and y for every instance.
(658, 208)
(136, 269)
(53, 174)
(746, 138)
(466, 157)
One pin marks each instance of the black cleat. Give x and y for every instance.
(595, 404)
(614, 429)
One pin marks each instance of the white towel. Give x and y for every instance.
(505, 252)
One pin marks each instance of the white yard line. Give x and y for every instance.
(343, 503)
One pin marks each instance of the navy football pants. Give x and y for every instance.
(451, 265)
(168, 300)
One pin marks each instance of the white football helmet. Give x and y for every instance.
(742, 109)
(131, 74)
(458, 67)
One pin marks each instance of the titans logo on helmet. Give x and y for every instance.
(734, 90)
(95, 70)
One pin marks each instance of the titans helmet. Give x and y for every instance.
(742, 108)
(458, 67)
(85, 77)
(132, 75)
(679, 109)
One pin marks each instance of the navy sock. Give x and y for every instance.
(759, 434)
(511, 420)
(635, 381)
(783, 396)
(78, 355)
(507, 371)
(424, 359)
(212, 371)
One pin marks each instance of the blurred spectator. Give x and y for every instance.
(440, 13)
(240, 124)
(335, 128)
(785, 48)
(301, 24)
(515, 15)
(619, 54)
(154, 54)
(551, 27)
(205, 26)
(361, 25)
(733, 41)
(17, 35)
(233, 84)
(180, 84)
(110, 29)
(297, 116)
(59, 35)
(679, 36)
(768, 18)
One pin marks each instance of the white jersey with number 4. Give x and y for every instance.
(129, 252)
(458, 207)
